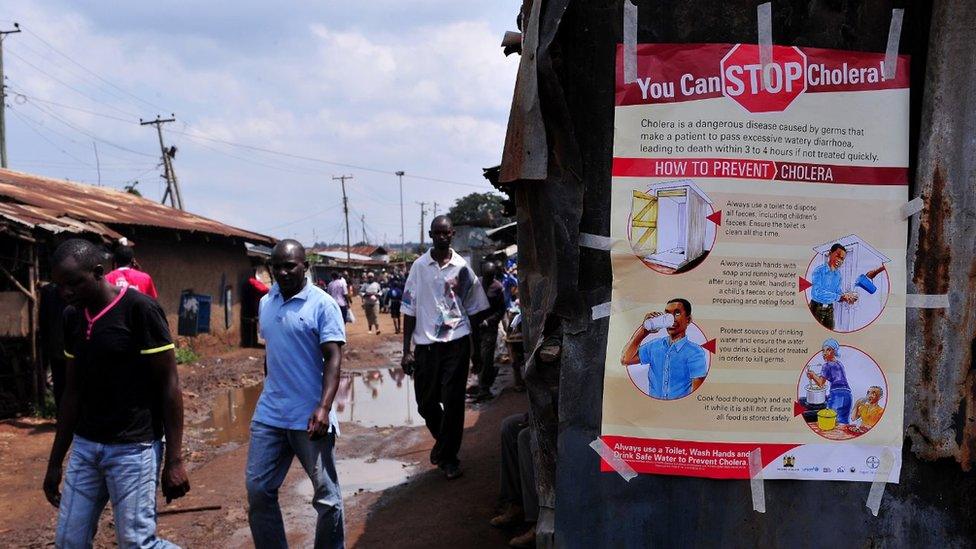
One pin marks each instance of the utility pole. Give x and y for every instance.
(3, 99)
(345, 211)
(362, 219)
(435, 209)
(172, 185)
(423, 211)
(403, 241)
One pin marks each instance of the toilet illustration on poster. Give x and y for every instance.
(669, 229)
(864, 283)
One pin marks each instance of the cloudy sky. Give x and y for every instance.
(355, 88)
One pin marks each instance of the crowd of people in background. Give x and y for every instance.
(455, 324)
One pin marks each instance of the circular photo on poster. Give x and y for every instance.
(664, 357)
(848, 284)
(669, 226)
(843, 392)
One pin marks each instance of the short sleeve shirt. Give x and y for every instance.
(442, 298)
(672, 366)
(129, 277)
(338, 290)
(294, 331)
(110, 351)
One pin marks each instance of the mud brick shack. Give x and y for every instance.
(187, 255)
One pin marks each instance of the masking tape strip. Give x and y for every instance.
(764, 16)
(880, 479)
(894, 36)
(912, 207)
(617, 464)
(756, 481)
(630, 42)
(927, 301)
(597, 241)
(602, 310)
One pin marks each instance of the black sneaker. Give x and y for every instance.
(452, 471)
(434, 460)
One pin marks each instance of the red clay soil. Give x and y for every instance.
(425, 511)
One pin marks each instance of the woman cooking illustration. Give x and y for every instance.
(839, 396)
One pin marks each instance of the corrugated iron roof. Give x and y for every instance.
(366, 250)
(67, 204)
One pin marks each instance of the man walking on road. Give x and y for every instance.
(441, 301)
(339, 291)
(121, 395)
(304, 330)
(488, 330)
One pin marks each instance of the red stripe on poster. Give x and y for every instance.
(722, 460)
(744, 168)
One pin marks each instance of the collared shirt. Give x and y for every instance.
(294, 331)
(826, 285)
(833, 372)
(442, 298)
(672, 366)
(371, 291)
(338, 289)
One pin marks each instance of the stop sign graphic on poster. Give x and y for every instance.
(743, 82)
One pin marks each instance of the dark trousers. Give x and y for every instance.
(823, 313)
(344, 309)
(518, 471)
(440, 375)
(489, 339)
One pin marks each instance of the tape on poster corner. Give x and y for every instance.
(756, 481)
(894, 36)
(880, 479)
(912, 207)
(602, 310)
(597, 241)
(630, 42)
(764, 18)
(927, 301)
(617, 464)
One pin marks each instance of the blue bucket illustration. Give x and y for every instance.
(866, 284)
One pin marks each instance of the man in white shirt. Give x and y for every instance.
(441, 295)
(339, 291)
(370, 293)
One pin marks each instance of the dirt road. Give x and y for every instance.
(393, 497)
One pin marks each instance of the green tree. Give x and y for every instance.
(480, 209)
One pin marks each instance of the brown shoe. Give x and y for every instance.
(510, 515)
(525, 540)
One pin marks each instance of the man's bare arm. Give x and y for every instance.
(67, 419)
(167, 383)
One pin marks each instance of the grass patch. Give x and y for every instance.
(185, 355)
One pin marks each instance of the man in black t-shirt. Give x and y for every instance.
(121, 396)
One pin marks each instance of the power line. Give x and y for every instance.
(86, 133)
(30, 125)
(91, 72)
(307, 217)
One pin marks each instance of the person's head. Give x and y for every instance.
(681, 309)
(335, 275)
(874, 394)
(123, 256)
(288, 266)
(441, 232)
(831, 349)
(489, 270)
(370, 276)
(78, 268)
(836, 257)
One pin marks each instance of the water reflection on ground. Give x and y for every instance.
(363, 475)
(372, 398)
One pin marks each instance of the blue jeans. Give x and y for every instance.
(840, 401)
(126, 475)
(268, 459)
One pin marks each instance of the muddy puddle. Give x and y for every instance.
(363, 475)
(372, 398)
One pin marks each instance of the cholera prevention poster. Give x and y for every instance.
(759, 263)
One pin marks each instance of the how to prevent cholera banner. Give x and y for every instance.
(758, 263)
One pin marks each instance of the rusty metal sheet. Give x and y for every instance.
(87, 204)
